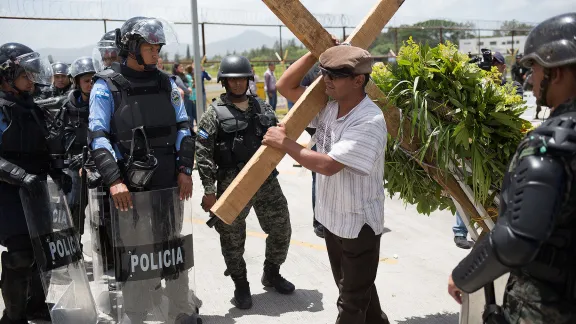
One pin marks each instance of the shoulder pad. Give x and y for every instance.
(165, 80)
(170, 76)
(104, 74)
(558, 134)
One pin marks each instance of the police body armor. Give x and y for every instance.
(535, 235)
(142, 99)
(77, 118)
(555, 262)
(23, 142)
(240, 133)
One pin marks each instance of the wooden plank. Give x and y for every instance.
(231, 203)
(309, 31)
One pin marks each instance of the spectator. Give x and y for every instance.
(270, 85)
(500, 63)
(208, 77)
(461, 233)
(160, 64)
(351, 134)
(192, 97)
(183, 84)
(252, 89)
(310, 77)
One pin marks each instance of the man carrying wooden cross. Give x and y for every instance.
(349, 162)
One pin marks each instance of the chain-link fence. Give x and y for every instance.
(72, 24)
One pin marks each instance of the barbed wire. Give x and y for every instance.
(178, 11)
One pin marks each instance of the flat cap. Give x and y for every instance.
(354, 59)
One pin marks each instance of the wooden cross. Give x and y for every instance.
(309, 31)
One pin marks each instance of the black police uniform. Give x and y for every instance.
(535, 236)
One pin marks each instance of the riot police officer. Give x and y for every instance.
(535, 236)
(229, 134)
(52, 97)
(25, 160)
(76, 118)
(62, 82)
(141, 143)
(107, 50)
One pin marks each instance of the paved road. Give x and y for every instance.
(417, 254)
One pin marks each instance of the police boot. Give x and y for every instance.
(272, 278)
(242, 295)
(6, 320)
(188, 319)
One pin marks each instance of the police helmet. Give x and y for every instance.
(16, 58)
(60, 68)
(235, 66)
(81, 66)
(552, 43)
(139, 30)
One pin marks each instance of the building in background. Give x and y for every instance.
(503, 45)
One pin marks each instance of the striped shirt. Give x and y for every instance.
(353, 197)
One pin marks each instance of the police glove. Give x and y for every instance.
(93, 178)
(33, 185)
(75, 162)
(63, 180)
(15, 175)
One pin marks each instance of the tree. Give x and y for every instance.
(176, 58)
(188, 56)
(435, 31)
(519, 29)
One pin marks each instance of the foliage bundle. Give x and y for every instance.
(467, 121)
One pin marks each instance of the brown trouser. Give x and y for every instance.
(354, 265)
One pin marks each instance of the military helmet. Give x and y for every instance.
(552, 43)
(16, 58)
(81, 66)
(235, 66)
(60, 68)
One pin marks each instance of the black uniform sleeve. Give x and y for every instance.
(106, 165)
(531, 205)
(11, 173)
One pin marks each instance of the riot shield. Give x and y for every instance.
(58, 256)
(73, 199)
(152, 277)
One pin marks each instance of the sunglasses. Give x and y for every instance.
(334, 75)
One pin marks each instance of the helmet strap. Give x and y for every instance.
(544, 85)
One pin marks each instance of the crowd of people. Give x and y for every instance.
(124, 134)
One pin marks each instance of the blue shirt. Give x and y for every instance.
(3, 125)
(102, 109)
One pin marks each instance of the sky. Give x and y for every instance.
(67, 34)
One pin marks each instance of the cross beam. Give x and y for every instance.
(309, 31)
(301, 22)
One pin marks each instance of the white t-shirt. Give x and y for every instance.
(353, 197)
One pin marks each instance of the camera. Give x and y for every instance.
(483, 61)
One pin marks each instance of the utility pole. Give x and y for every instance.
(200, 100)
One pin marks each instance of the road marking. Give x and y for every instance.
(317, 247)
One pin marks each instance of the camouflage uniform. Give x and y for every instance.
(528, 300)
(269, 202)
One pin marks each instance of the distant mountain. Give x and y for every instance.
(247, 40)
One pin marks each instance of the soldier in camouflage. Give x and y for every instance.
(535, 237)
(230, 132)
